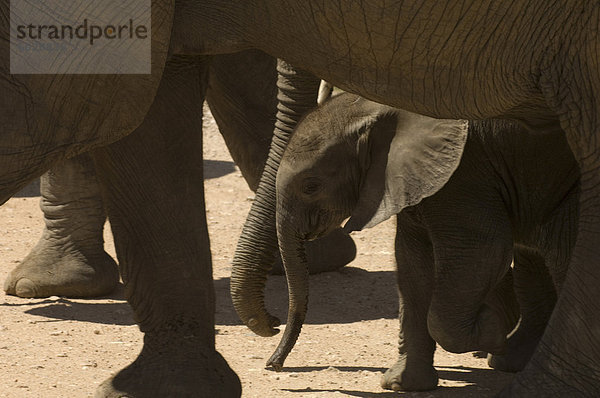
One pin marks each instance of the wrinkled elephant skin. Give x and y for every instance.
(472, 60)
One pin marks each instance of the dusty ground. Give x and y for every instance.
(64, 348)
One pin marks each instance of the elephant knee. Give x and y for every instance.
(483, 331)
(446, 334)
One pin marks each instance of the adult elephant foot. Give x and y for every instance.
(416, 377)
(185, 367)
(51, 270)
(69, 259)
(328, 253)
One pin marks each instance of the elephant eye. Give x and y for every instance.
(311, 185)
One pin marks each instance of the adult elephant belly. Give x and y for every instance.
(441, 66)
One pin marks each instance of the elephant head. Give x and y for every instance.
(353, 158)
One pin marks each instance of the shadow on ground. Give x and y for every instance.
(114, 312)
(118, 313)
(480, 383)
(345, 296)
(217, 168)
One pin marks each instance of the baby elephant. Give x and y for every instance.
(512, 195)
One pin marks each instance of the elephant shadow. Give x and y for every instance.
(217, 168)
(109, 310)
(455, 381)
(344, 296)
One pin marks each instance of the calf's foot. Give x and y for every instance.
(517, 352)
(183, 368)
(50, 269)
(413, 376)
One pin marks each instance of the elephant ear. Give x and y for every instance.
(404, 158)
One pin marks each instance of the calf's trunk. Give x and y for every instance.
(293, 255)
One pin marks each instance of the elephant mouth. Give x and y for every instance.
(322, 223)
(313, 235)
(317, 232)
(320, 232)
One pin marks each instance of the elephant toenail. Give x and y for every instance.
(396, 387)
(25, 288)
(275, 322)
(7, 286)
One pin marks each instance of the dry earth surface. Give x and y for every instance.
(59, 347)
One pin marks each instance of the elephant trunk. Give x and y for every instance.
(257, 246)
(293, 255)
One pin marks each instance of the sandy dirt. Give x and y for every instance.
(59, 347)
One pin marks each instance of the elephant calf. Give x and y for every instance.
(513, 194)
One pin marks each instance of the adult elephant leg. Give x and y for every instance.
(414, 369)
(257, 246)
(69, 259)
(242, 95)
(565, 362)
(153, 186)
(536, 295)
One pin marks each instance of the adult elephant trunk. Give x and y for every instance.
(257, 247)
(293, 255)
